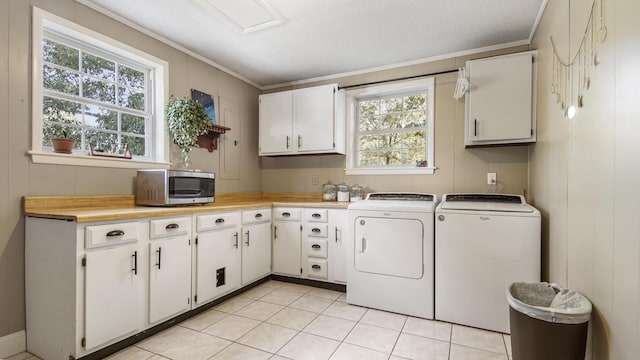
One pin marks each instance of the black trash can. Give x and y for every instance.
(547, 322)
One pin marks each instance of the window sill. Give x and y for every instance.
(391, 171)
(39, 157)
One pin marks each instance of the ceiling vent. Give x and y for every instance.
(246, 16)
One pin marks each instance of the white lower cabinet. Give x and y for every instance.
(86, 285)
(337, 244)
(287, 231)
(256, 244)
(169, 268)
(113, 288)
(91, 285)
(217, 256)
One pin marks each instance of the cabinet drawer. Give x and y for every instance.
(111, 234)
(315, 215)
(169, 227)
(316, 230)
(256, 216)
(317, 268)
(217, 221)
(292, 214)
(317, 248)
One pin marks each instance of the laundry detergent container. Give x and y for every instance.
(547, 322)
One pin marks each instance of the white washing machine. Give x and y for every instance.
(484, 242)
(390, 253)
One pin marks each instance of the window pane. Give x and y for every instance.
(108, 142)
(130, 77)
(390, 157)
(99, 67)
(391, 121)
(101, 118)
(414, 139)
(413, 155)
(60, 54)
(415, 102)
(368, 107)
(136, 144)
(414, 119)
(368, 142)
(369, 123)
(390, 140)
(368, 158)
(63, 81)
(130, 98)
(99, 90)
(58, 131)
(391, 105)
(133, 124)
(62, 111)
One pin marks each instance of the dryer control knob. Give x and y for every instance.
(441, 217)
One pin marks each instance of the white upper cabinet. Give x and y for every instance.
(500, 104)
(303, 121)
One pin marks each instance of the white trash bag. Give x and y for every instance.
(549, 302)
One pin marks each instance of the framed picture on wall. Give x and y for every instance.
(206, 101)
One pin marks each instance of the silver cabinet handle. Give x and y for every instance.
(287, 141)
(236, 236)
(258, 216)
(316, 216)
(315, 230)
(336, 234)
(247, 242)
(286, 214)
(299, 141)
(275, 232)
(316, 267)
(475, 127)
(315, 246)
(172, 226)
(220, 221)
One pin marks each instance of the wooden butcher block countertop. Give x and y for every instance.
(84, 209)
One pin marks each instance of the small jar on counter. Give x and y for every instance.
(343, 192)
(329, 192)
(356, 192)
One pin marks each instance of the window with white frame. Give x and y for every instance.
(391, 128)
(97, 91)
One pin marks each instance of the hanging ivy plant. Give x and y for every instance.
(187, 120)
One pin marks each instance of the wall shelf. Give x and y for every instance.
(209, 140)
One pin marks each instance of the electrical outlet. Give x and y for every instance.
(492, 179)
(314, 180)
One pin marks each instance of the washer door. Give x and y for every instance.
(387, 246)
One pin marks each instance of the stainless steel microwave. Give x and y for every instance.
(163, 187)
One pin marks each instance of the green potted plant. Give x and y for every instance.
(61, 130)
(187, 120)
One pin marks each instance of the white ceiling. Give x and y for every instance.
(321, 38)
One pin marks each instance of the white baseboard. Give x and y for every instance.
(13, 344)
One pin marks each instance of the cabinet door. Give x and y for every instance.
(500, 98)
(276, 116)
(338, 222)
(113, 293)
(256, 252)
(286, 247)
(313, 118)
(218, 264)
(169, 277)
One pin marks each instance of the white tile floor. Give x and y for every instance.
(278, 320)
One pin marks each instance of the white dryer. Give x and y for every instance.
(484, 242)
(390, 253)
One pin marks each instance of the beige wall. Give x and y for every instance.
(585, 174)
(459, 169)
(20, 177)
